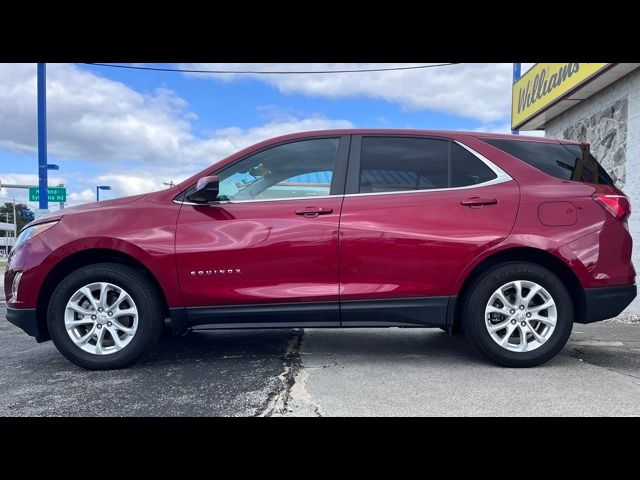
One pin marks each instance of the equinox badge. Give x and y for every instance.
(221, 271)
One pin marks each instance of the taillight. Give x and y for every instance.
(617, 205)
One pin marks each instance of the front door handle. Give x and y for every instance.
(313, 212)
(477, 202)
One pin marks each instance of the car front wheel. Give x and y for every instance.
(105, 316)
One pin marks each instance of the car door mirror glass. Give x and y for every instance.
(206, 190)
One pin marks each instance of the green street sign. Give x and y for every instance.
(55, 194)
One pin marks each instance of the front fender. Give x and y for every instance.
(160, 262)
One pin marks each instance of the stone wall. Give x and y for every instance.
(610, 121)
(606, 131)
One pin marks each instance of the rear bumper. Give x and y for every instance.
(606, 302)
(25, 318)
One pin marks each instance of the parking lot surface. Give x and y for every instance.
(316, 372)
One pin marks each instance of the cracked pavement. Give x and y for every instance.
(325, 372)
(411, 372)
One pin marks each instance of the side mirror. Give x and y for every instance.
(206, 190)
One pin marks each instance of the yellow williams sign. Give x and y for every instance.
(545, 83)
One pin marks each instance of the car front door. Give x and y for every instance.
(416, 211)
(267, 249)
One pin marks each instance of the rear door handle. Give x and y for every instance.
(477, 202)
(314, 212)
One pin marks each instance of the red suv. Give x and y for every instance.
(507, 238)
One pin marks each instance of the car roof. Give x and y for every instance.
(437, 133)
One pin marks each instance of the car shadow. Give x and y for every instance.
(211, 345)
(208, 345)
(319, 345)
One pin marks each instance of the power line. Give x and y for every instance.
(272, 72)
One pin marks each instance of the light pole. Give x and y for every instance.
(15, 220)
(101, 187)
(516, 77)
(42, 139)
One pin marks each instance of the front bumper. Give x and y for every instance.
(606, 302)
(26, 319)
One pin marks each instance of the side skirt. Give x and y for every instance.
(273, 315)
(408, 312)
(405, 312)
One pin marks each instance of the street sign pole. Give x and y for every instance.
(42, 138)
(61, 185)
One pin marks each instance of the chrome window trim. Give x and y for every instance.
(501, 177)
(226, 202)
(501, 174)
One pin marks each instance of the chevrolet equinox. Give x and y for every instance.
(508, 239)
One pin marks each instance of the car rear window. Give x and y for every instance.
(567, 162)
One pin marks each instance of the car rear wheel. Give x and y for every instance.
(519, 314)
(105, 316)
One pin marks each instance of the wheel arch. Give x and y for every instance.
(525, 254)
(81, 259)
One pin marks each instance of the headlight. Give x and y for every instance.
(33, 231)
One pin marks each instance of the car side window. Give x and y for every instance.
(393, 164)
(298, 169)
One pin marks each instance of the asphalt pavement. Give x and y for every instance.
(407, 372)
(325, 372)
(232, 373)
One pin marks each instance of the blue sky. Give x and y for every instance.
(134, 129)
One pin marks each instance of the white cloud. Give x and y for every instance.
(28, 179)
(91, 117)
(130, 184)
(101, 120)
(473, 90)
(86, 195)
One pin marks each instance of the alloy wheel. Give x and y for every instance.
(101, 318)
(521, 316)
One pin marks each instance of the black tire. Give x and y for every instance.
(479, 293)
(143, 293)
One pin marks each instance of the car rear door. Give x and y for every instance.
(268, 249)
(417, 210)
